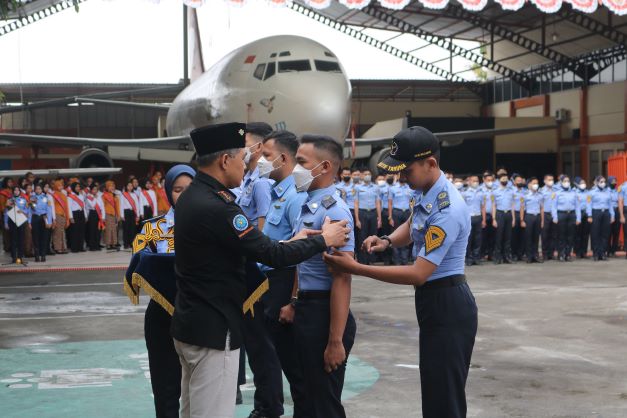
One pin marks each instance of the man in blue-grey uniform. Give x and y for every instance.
(347, 191)
(323, 324)
(487, 236)
(566, 215)
(367, 213)
(518, 233)
(254, 193)
(445, 306)
(385, 184)
(622, 211)
(401, 196)
(600, 216)
(549, 232)
(475, 199)
(503, 220)
(613, 244)
(41, 219)
(582, 234)
(274, 337)
(532, 220)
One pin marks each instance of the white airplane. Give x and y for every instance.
(289, 82)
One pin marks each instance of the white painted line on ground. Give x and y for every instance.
(62, 285)
(70, 316)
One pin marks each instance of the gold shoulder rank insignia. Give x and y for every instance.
(226, 196)
(553, 195)
(434, 238)
(589, 199)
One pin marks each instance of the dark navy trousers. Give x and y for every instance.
(448, 325)
(600, 231)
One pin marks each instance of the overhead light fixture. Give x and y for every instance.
(555, 36)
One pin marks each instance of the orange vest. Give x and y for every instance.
(162, 200)
(60, 204)
(111, 203)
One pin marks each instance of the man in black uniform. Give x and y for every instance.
(213, 238)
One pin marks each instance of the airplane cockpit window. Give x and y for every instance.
(258, 74)
(298, 65)
(285, 54)
(270, 70)
(328, 54)
(273, 55)
(327, 66)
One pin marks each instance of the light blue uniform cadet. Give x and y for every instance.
(600, 209)
(42, 207)
(283, 215)
(474, 198)
(519, 197)
(347, 193)
(17, 233)
(566, 201)
(622, 192)
(384, 194)
(549, 195)
(367, 195)
(401, 195)
(601, 200)
(503, 198)
(487, 193)
(254, 197)
(22, 205)
(313, 273)
(440, 228)
(158, 234)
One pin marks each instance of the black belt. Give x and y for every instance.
(314, 294)
(565, 211)
(367, 210)
(402, 210)
(600, 210)
(531, 214)
(503, 211)
(444, 282)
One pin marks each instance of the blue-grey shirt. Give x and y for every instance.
(254, 196)
(622, 192)
(384, 194)
(600, 199)
(20, 204)
(401, 195)
(549, 196)
(503, 198)
(440, 226)
(474, 199)
(347, 193)
(614, 194)
(487, 193)
(366, 195)
(519, 197)
(566, 200)
(43, 206)
(584, 198)
(283, 215)
(313, 273)
(533, 202)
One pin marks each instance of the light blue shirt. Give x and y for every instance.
(533, 202)
(254, 197)
(401, 195)
(384, 194)
(347, 193)
(600, 199)
(440, 226)
(583, 196)
(487, 193)
(614, 194)
(283, 215)
(21, 204)
(366, 195)
(43, 206)
(519, 197)
(475, 199)
(549, 196)
(163, 228)
(503, 198)
(313, 273)
(566, 200)
(622, 192)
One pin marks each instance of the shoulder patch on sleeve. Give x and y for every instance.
(434, 238)
(443, 200)
(328, 201)
(226, 196)
(589, 199)
(241, 225)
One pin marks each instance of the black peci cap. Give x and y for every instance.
(214, 138)
(410, 144)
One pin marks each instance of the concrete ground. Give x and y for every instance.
(551, 343)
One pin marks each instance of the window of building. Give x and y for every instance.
(291, 66)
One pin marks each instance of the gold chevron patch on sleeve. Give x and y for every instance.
(434, 238)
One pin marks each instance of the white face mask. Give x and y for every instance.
(266, 167)
(474, 184)
(303, 177)
(367, 179)
(582, 186)
(534, 187)
(566, 184)
(381, 183)
(601, 185)
(549, 183)
(489, 184)
(458, 185)
(249, 153)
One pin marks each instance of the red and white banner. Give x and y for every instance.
(318, 4)
(194, 3)
(586, 6)
(548, 6)
(617, 6)
(355, 4)
(434, 4)
(474, 5)
(511, 4)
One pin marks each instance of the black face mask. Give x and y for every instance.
(390, 181)
(504, 183)
(612, 185)
(346, 178)
(519, 185)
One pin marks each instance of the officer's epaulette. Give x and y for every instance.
(443, 200)
(226, 196)
(328, 201)
(151, 220)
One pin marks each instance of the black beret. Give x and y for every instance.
(214, 138)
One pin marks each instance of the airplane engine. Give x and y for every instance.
(92, 158)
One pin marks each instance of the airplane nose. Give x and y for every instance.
(329, 104)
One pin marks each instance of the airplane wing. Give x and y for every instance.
(62, 172)
(168, 142)
(455, 137)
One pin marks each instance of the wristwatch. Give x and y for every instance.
(293, 300)
(386, 238)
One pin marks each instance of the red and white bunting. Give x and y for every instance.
(434, 4)
(586, 6)
(394, 4)
(318, 4)
(617, 6)
(238, 3)
(194, 3)
(474, 5)
(355, 4)
(511, 4)
(548, 6)
(277, 3)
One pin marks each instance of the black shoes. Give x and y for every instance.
(238, 398)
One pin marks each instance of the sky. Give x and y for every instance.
(141, 41)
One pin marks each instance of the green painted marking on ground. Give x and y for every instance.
(105, 379)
